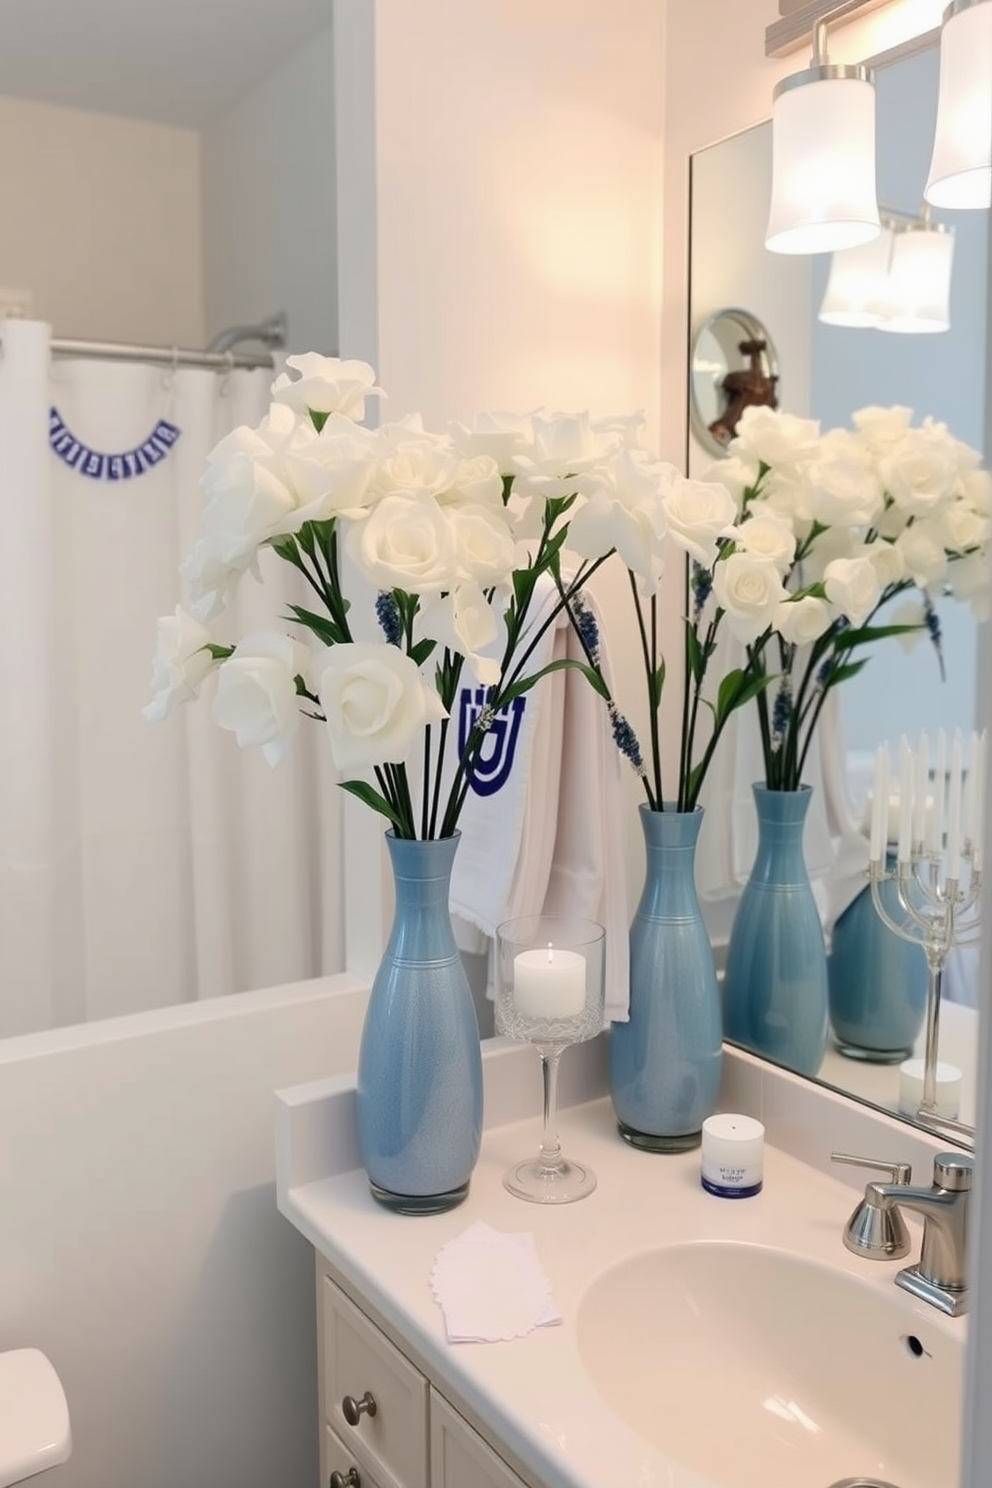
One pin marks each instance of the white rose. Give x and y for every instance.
(326, 385)
(750, 590)
(844, 486)
(182, 660)
(882, 427)
(976, 491)
(920, 472)
(774, 438)
(208, 584)
(921, 547)
(697, 513)
(765, 534)
(328, 473)
(629, 426)
(376, 703)
(971, 579)
(786, 492)
(801, 621)
(411, 461)
(852, 585)
(736, 474)
(485, 549)
(835, 542)
(499, 436)
(248, 501)
(887, 561)
(256, 692)
(565, 445)
(474, 482)
(463, 621)
(625, 511)
(962, 528)
(406, 542)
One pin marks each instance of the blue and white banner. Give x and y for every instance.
(97, 465)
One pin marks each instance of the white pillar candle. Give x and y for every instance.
(880, 805)
(948, 1088)
(935, 839)
(549, 983)
(952, 866)
(921, 790)
(733, 1156)
(905, 799)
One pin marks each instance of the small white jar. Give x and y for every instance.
(733, 1156)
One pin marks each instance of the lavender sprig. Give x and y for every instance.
(702, 587)
(781, 713)
(625, 739)
(932, 620)
(387, 612)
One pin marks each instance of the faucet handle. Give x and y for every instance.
(899, 1172)
(953, 1171)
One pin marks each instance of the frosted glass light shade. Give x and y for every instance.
(857, 287)
(961, 166)
(823, 161)
(920, 281)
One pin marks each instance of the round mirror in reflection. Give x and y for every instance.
(733, 367)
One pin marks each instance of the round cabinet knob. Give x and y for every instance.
(351, 1479)
(354, 1409)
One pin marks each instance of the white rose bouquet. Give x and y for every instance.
(452, 532)
(832, 527)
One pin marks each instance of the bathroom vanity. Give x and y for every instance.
(704, 1341)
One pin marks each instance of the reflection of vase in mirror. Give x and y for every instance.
(775, 983)
(878, 982)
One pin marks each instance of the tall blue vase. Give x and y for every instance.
(419, 1092)
(665, 1061)
(775, 983)
(878, 981)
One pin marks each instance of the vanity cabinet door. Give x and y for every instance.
(359, 1360)
(459, 1456)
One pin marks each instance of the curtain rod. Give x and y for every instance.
(169, 356)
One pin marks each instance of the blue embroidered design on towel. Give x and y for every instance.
(97, 466)
(494, 760)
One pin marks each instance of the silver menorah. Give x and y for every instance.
(938, 913)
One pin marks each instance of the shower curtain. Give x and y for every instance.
(141, 865)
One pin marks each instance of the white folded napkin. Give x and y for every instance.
(490, 1286)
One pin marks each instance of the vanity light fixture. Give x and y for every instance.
(823, 157)
(901, 281)
(961, 167)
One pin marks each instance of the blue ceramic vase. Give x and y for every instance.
(665, 1062)
(878, 981)
(419, 1091)
(775, 984)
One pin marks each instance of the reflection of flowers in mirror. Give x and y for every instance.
(460, 537)
(833, 526)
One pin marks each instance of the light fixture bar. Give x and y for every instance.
(794, 31)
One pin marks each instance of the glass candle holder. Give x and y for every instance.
(550, 992)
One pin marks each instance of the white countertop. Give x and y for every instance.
(533, 1393)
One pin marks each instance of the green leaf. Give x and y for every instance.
(219, 653)
(846, 640)
(656, 686)
(322, 626)
(696, 659)
(420, 652)
(841, 673)
(526, 683)
(371, 797)
(737, 688)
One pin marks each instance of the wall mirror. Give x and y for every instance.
(143, 151)
(828, 372)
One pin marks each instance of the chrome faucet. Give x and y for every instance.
(876, 1228)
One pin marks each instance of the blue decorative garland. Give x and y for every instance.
(79, 457)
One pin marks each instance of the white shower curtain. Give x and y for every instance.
(141, 864)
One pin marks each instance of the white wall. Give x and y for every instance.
(269, 204)
(100, 219)
(140, 1246)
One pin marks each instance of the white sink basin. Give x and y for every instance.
(758, 1369)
